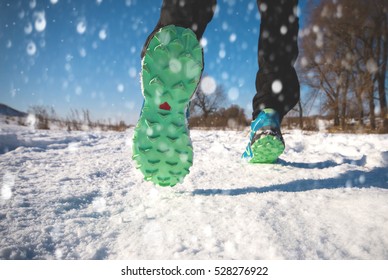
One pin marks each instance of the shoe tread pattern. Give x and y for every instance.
(171, 70)
(267, 149)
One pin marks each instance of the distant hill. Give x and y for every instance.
(7, 111)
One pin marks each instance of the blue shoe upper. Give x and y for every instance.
(267, 118)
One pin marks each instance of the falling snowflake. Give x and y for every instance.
(277, 86)
(8, 184)
(203, 42)
(208, 85)
(31, 48)
(233, 93)
(82, 52)
(371, 66)
(40, 21)
(102, 34)
(175, 65)
(28, 28)
(283, 29)
(120, 87)
(81, 27)
(132, 72)
(232, 37)
(32, 4)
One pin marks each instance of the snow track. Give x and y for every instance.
(78, 196)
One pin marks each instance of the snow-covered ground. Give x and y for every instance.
(78, 196)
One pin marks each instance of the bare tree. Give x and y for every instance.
(207, 104)
(86, 117)
(343, 52)
(381, 27)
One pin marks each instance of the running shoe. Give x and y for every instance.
(171, 71)
(266, 143)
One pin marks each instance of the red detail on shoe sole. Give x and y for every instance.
(165, 106)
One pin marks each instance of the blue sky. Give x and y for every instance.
(73, 54)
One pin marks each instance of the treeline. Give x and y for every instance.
(208, 111)
(343, 60)
(232, 117)
(343, 53)
(43, 117)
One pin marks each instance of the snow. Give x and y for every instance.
(31, 48)
(208, 85)
(78, 196)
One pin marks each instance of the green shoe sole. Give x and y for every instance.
(266, 149)
(171, 71)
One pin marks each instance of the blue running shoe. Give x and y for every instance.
(266, 143)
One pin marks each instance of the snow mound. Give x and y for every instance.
(42, 141)
(79, 196)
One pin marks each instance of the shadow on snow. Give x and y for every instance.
(377, 177)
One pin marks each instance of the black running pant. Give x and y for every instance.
(277, 84)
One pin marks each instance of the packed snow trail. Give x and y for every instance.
(78, 196)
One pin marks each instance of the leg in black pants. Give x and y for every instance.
(277, 50)
(277, 84)
(193, 14)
